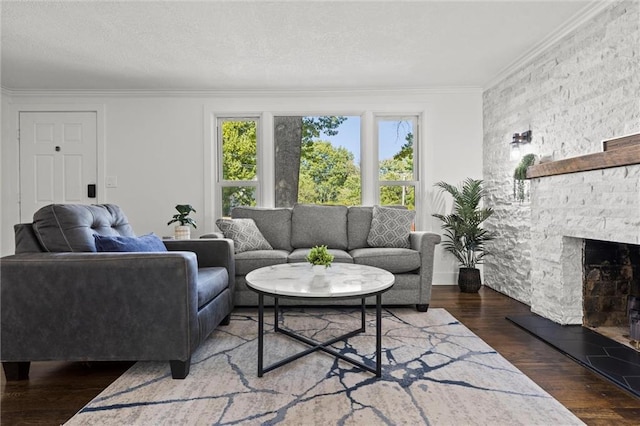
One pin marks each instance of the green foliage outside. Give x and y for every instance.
(233, 196)
(239, 150)
(406, 152)
(313, 126)
(398, 168)
(328, 174)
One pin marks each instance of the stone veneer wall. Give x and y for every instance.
(583, 89)
(566, 209)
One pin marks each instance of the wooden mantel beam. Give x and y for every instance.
(622, 156)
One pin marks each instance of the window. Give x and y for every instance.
(317, 160)
(397, 160)
(238, 171)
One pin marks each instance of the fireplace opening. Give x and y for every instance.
(611, 290)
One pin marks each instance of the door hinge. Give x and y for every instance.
(18, 134)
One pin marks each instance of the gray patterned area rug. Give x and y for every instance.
(435, 371)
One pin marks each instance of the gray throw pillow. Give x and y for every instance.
(245, 234)
(390, 227)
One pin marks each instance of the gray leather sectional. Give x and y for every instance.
(344, 230)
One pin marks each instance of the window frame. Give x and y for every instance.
(265, 151)
(220, 182)
(415, 182)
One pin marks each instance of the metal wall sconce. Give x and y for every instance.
(520, 145)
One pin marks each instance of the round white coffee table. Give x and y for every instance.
(340, 281)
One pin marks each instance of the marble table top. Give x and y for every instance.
(338, 280)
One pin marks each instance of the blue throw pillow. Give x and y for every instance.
(149, 242)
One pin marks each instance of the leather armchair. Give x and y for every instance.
(90, 306)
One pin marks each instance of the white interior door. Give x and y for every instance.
(57, 159)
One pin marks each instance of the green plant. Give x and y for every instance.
(462, 227)
(183, 215)
(520, 176)
(319, 255)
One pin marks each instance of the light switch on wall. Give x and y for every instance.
(111, 181)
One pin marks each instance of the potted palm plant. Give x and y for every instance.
(463, 231)
(183, 230)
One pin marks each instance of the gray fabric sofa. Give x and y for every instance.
(62, 300)
(344, 230)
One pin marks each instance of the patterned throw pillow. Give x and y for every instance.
(390, 227)
(245, 234)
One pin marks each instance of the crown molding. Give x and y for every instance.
(583, 16)
(419, 91)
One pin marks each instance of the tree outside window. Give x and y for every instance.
(239, 177)
(397, 160)
(317, 161)
(312, 169)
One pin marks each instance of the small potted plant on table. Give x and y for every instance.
(464, 232)
(183, 230)
(320, 259)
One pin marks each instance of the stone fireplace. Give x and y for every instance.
(566, 210)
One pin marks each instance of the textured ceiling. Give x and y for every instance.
(259, 45)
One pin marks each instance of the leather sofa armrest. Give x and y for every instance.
(99, 306)
(210, 252)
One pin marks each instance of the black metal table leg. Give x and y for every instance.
(363, 312)
(260, 333)
(276, 308)
(378, 335)
(325, 346)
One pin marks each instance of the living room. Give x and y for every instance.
(572, 79)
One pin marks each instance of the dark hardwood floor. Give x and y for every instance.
(55, 391)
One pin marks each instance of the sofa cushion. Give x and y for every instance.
(245, 234)
(390, 227)
(394, 260)
(275, 224)
(300, 255)
(249, 260)
(211, 282)
(358, 225)
(118, 243)
(315, 225)
(70, 227)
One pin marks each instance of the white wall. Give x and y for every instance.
(157, 145)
